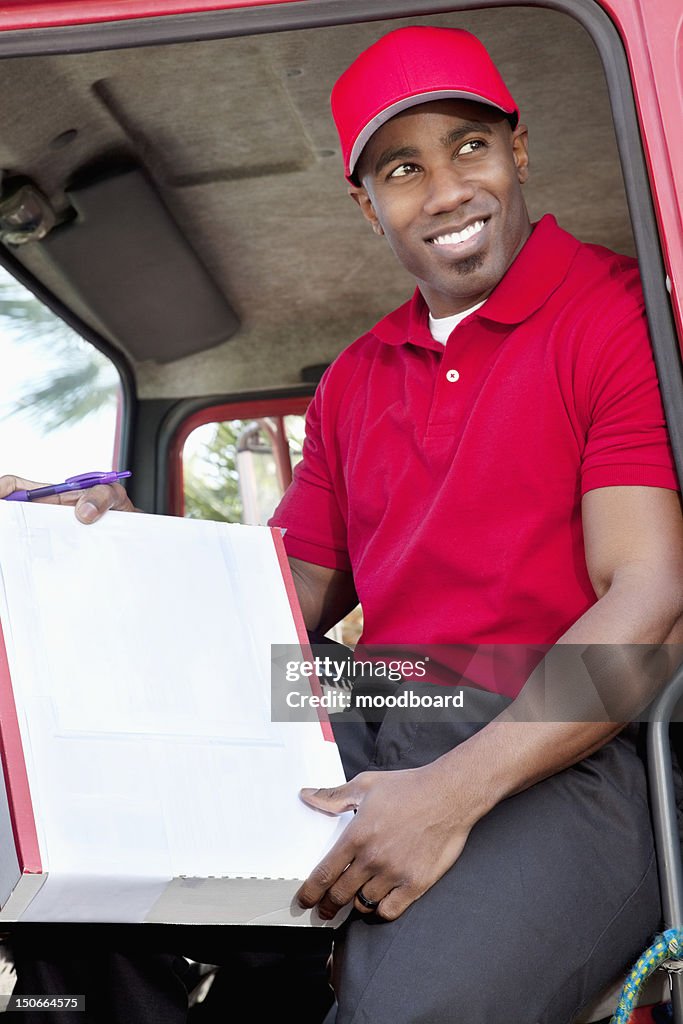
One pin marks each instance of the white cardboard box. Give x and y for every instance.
(144, 778)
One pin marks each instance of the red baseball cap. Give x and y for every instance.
(410, 66)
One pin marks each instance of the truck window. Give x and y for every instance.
(60, 397)
(236, 471)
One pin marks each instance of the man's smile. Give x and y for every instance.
(458, 237)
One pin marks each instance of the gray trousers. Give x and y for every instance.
(554, 896)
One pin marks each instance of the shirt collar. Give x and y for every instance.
(538, 269)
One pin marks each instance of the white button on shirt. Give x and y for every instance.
(441, 328)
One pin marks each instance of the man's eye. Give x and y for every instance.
(471, 146)
(402, 171)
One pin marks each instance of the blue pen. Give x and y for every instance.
(72, 483)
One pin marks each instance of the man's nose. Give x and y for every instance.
(447, 189)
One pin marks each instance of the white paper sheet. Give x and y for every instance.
(139, 650)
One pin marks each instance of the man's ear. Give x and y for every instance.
(520, 151)
(359, 195)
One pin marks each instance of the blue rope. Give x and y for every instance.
(667, 946)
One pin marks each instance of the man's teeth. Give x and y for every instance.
(460, 236)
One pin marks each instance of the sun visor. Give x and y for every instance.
(126, 257)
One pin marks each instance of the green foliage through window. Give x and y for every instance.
(74, 380)
(231, 471)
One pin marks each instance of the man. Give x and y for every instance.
(522, 495)
(487, 466)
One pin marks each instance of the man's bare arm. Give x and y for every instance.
(412, 825)
(634, 553)
(325, 595)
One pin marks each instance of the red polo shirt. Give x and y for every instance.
(449, 480)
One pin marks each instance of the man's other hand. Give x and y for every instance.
(409, 828)
(89, 504)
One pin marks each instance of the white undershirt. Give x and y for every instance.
(441, 327)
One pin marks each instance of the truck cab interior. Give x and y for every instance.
(172, 189)
(186, 206)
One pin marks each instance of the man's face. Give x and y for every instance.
(443, 182)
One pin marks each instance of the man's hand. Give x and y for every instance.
(409, 828)
(89, 505)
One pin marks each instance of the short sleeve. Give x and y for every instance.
(627, 441)
(309, 510)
